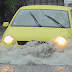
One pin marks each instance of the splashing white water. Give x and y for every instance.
(36, 53)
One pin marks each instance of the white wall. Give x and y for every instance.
(66, 2)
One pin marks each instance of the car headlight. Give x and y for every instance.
(8, 39)
(61, 41)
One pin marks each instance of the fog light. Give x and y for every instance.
(61, 41)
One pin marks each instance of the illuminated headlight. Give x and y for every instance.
(8, 39)
(61, 41)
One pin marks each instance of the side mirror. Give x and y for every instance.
(5, 24)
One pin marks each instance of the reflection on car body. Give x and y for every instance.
(40, 23)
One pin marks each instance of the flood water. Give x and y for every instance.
(37, 53)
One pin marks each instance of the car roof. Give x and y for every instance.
(46, 7)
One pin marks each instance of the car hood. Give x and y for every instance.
(36, 33)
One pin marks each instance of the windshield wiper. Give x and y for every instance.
(35, 19)
(60, 25)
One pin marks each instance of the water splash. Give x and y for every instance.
(36, 53)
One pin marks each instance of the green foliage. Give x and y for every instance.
(10, 5)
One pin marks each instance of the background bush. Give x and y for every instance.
(10, 5)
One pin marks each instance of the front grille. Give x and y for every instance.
(21, 42)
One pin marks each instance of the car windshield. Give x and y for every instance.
(41, 17)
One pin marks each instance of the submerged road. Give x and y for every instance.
(34, 68)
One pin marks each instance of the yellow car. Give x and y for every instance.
(39, 23)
